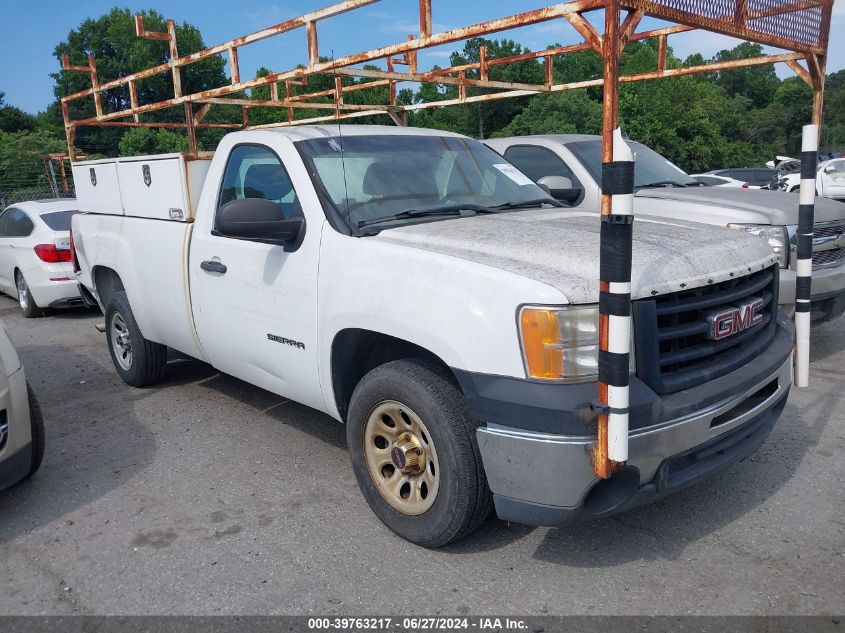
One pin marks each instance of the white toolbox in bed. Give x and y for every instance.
(162, 187)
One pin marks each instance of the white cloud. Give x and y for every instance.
(438, 54)
(409, 27)
(267, 15)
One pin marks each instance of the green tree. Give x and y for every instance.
(778, 125)
(111, 39)
(141, 141)
(483, 118)
(557, 113)
(14, 119)
(758, 83)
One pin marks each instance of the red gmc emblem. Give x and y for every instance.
(734, 319)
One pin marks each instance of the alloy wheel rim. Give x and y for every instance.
(401, 458)
(121, 343)
(23, 299)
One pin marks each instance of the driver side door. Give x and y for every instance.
(255, 306)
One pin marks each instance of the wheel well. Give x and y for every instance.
(356, 352)
(106, 282)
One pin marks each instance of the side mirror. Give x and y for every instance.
(258, 219)
(828, 169)
(561, 188)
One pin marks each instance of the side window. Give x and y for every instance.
(253, 171)
(4, 221)
(537, 162)
(713, 181)
(838, 167)
(764, 176)
(16, 223)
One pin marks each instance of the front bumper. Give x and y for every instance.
(546, 478)
(828, 293)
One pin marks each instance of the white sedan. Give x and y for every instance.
(35, 258)
(21, 426)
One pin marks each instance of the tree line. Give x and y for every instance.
(736, 118)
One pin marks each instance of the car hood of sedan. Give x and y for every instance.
(723, 203)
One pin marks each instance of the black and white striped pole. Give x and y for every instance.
(804, 267)
(617, 220)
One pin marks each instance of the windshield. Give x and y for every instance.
(417, 177)
(58, 220)
(650, 168)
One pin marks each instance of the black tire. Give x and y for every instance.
(28, 306)
(36, 423)
(464, 499)
(147, 361)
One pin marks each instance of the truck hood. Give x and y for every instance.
(560, 248)
(721, 205)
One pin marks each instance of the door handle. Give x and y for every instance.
(213, 266)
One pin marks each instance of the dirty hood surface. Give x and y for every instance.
(777, 206)
(561, 249)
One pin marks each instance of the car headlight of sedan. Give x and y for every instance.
(776, 236)
(561, 343)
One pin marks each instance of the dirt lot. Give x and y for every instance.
(205, 495)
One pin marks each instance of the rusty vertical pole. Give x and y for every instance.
(614, 266)
(661, 52)
(425, 18)
(313, 47)
(288, 95)
(190, 129)
(174, 55)
(63, 173)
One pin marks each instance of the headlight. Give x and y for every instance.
(561, 343)
(776, 237)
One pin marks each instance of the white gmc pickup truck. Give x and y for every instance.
(417, 287)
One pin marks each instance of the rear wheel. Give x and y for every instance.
(36, 422)
(414, 453)
(139, 362)
(27, 303)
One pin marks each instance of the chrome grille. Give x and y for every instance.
(673, 351)
(828, 245)
(825, 259)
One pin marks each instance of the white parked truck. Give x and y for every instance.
(830, 177)
(417, 287)
(665, 190)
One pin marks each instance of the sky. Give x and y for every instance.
(32, 28)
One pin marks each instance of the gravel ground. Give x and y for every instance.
(205, 495)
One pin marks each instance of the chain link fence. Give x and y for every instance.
(8, 197)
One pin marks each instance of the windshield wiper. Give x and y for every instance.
(527, 204)
(452, 209)
(661, 183)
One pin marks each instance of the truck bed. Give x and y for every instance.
(157, 280)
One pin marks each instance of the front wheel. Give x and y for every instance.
(27, 303)
(415, 455)
(138, 361)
